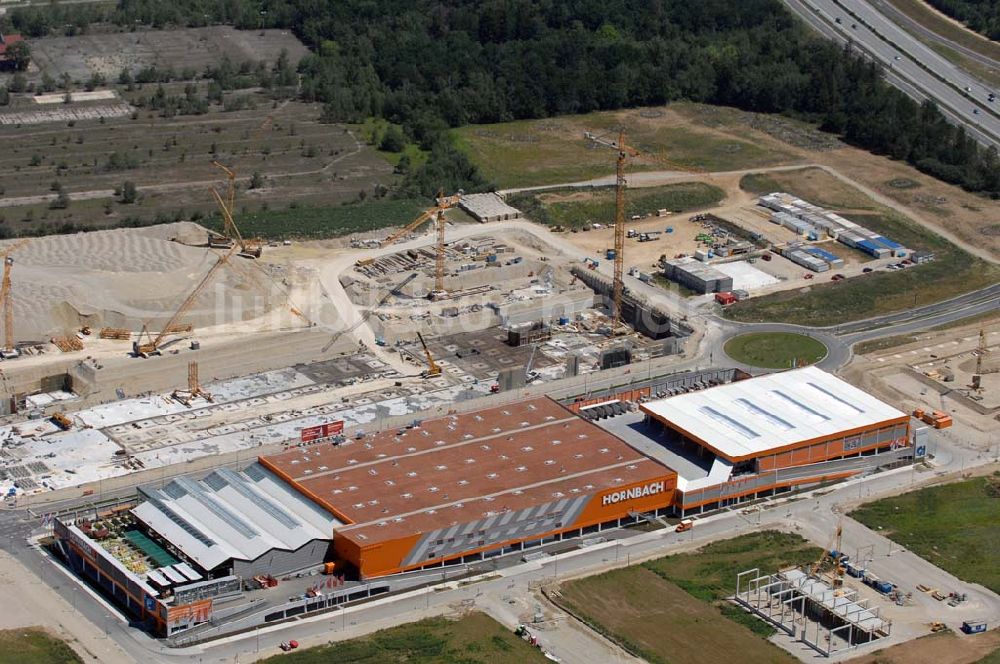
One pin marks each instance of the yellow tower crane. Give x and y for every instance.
(625, 152)
(9, 350)
(436, 213)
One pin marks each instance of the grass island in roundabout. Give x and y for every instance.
(775, 350)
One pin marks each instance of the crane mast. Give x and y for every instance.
(624, 152)
(436, 213)
(8, 310)
(617, 284)
(9, 349)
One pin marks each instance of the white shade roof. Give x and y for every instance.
(752, 416)
(232, 515)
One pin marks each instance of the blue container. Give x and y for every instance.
(610, 254)
(564, 320)
(973, 626)
(670, 229)
(492, 258)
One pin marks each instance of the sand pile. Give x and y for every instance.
(128, 277)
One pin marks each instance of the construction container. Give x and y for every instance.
(609, 254)
(701, 255)
(974, 626)
(564, 320)
(725, 298)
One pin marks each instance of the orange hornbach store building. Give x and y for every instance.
(470, 485)
(755, 437)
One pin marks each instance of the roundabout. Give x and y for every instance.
(775, 350)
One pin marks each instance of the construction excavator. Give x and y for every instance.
(151, 345)
(625, 152)
(9, 350)
(432, 370)
(230, 233)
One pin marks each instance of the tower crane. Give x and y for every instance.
(9, 351)
(982, 350)
(230, 233)
(152, 345)
(625, 152)
(436, 213)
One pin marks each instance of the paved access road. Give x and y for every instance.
(910, 65)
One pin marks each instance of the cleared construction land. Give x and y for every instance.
(954, 526)
(775, 350)
(953, 270)
(31, 645)
(940, 647)
(124, 277)
(472, 639)
(673, 610)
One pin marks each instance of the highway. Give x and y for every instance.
(914, 27)
(910, 65)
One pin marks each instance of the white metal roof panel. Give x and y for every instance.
(759, 414)
(232, 515)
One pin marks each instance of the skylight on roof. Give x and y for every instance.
(729, 422)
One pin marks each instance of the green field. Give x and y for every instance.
(554, 150)
(673, 609)
(599, 205)
(33, 646)
(775, 350)
(313, 223)
(474, 639)
(952, 273)
(954, 526)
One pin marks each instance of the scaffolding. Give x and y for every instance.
(827, 619)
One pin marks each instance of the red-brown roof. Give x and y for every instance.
(459, 468)
(8, 40)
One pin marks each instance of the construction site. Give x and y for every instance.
(350, 418)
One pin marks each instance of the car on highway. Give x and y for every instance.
(991, 97)
(854, 26)
(975, 111)
(968, 88)
(895, 57)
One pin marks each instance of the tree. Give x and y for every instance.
(4, 96)
(129, 192)
(18, 83)
(256, 180)
(393, 140)
(61, 201)
(19, 55)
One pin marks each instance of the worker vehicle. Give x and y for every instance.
(61, 421)
(684, 525)
(432, 370)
